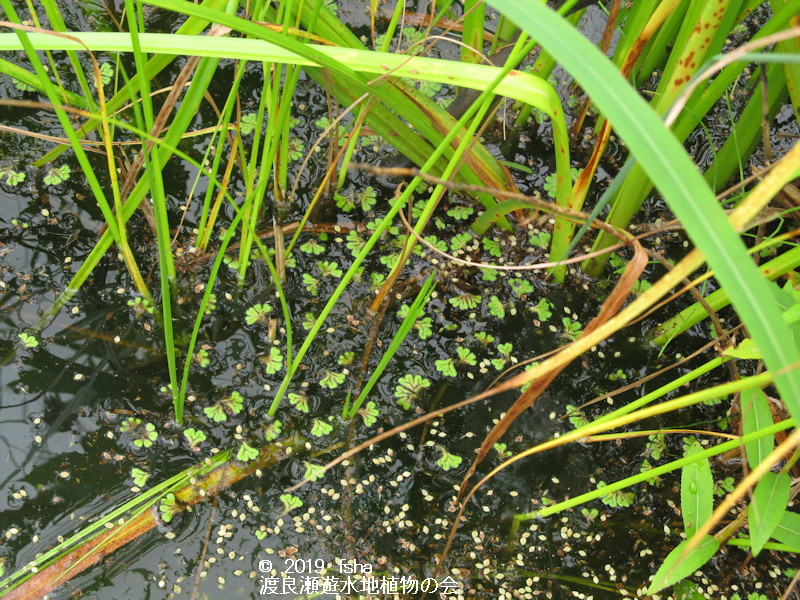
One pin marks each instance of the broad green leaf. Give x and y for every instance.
(697, 492)
(788, 530)
(756, 414)
(767, 508)
(746, 350)
(677, 566)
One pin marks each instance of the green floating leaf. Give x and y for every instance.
(449, 461)
(272, 431)
(446, 367)
(273, 362)
(28, 340)
(520, 286)
(194, 436)
(168, 507)
(770, 498)
(313, 472)
(409, 388)
(465, 301)
(331, 379)
(299, 401)
(290, 502)
(57, 175)
(677, 566)
(320, 428)
(543, 309)
(697, 491)
(246, 453)
(369, 414)
(496, 308)
(139, 476)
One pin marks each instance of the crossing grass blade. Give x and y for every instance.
(678, 180)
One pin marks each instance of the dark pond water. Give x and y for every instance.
(69, 456)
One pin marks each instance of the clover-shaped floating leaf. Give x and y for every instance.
(248, 123)
(57, 175)
(141, 306)
(290, 502)
(492, 247)
(496, 308)
(543, 309)
(329, 268)
(354, 242)
(436, 243)
(424, 327)
(540, 239)
(409, 389)
(446, 367)
(656, 445)
(29, 341)
(216, 413)
(273, 362)
(168, 507)
(619, 498)
(309, 320)
(201, 357)
(572, 329)
(460, 213)
(147, 436)
(346, 203)
(505, 352)
(466, 356)
(369, 414)
(299, 401)
(130, 424)
(320, 428)
(576, 416)
(139, 476)
(195, 437)
(258, 313)
(106, 73)
(296, 149)
(331, 379)
(489, 275)
(311, 283)
(448, 461)
(313, 472)
(367, 198)
(502, 450)
(13, 177)
(551, 181)
(520, 286)
(484, 338)
(347, 358)
(465, 301)
(233, 403)
(246, 453)
(460, 240)
(22, 86)
(272, 431)
(590, 514)
(312, 246)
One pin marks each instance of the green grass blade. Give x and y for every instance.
(678, 180)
